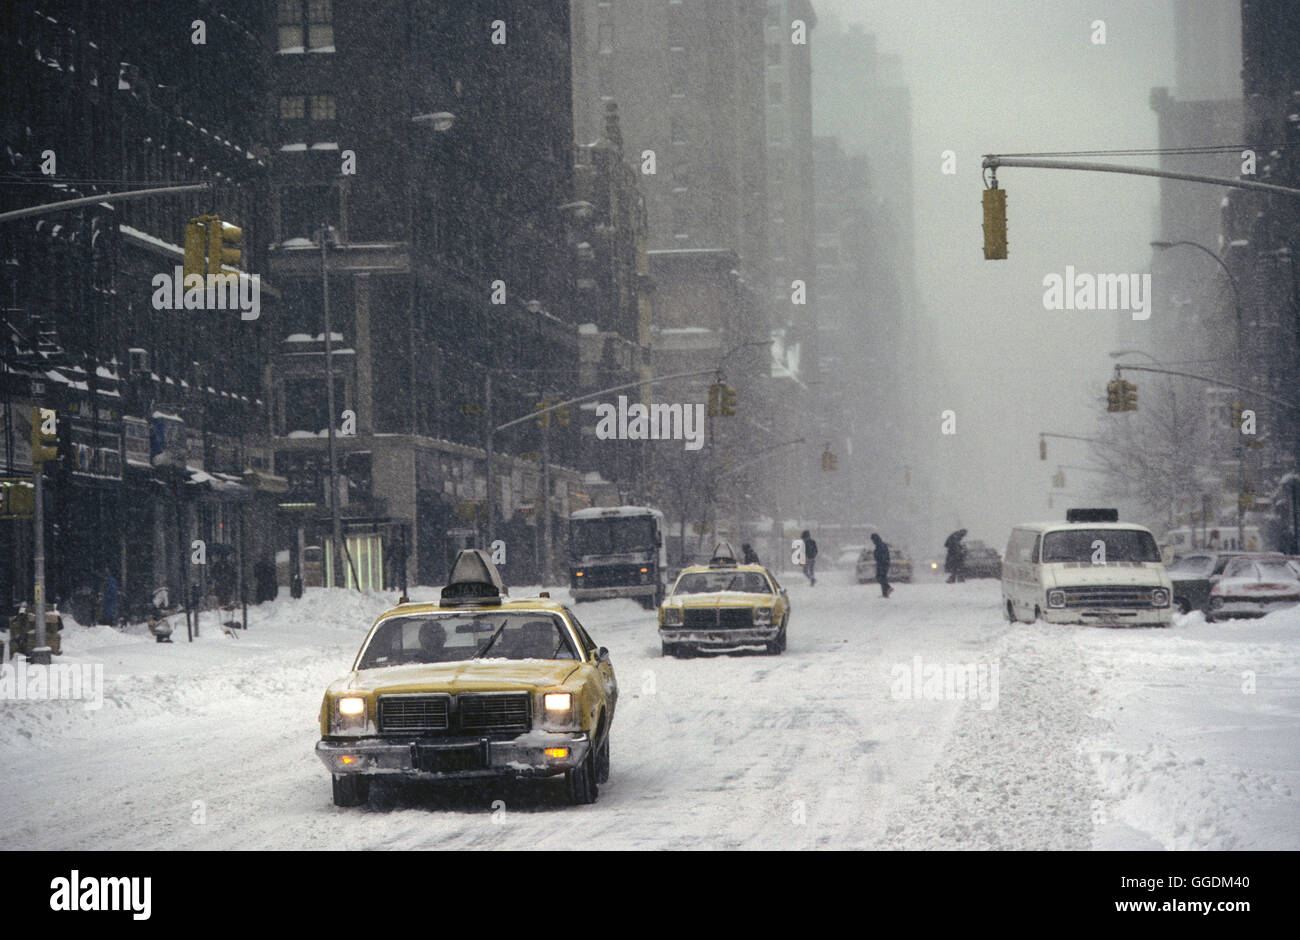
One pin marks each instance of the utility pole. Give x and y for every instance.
(39, 655)
(547, 543)
(336, 561)
(487, 450)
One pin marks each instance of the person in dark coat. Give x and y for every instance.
(882, 565)
(809, 556)
(955, 560)
(108, 598)
(749, 556)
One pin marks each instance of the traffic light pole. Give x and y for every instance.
(1294, 406)
(40, 654)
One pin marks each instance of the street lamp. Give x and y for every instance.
(441, 120)
(1236, 303)
(1133, 352)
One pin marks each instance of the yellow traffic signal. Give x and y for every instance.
(728, 401)
(543, 421)
(715, 399)
(17, 499)
(196, 245)
(828, 461)
(219, 235)
(1114, 396)
(1042, 448)
(45, 436)
(995, 224)
(1130, 393)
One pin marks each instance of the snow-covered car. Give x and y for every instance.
(477, 685)
(900, 566)
(982, 561)
(1253, 585)
(1191, 575)
(724, 605)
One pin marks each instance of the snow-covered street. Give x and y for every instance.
(1070, 738)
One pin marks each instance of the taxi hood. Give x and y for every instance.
(477, 675)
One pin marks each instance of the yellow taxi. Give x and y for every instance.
(724, 605)
(477, 685)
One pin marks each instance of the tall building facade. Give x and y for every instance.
(161, 414)
(435, 139)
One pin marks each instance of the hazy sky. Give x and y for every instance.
(1017, 76)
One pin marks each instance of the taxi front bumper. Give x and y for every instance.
(720, 638)
(459, 757)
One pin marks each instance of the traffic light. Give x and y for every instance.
(1042, 448)
(45, 436)
(219, 235)
(995, 224)
(1114, 396)
(728, 401)
(715, 399)
(196, 245)
(562, 416)
(1130, 395)
(828, 461)
(1237, 409)
(543, 421)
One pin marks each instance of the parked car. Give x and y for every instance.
(724, 605)
(477, 685)
(1253, 585)
(900, 566)
(849, 556)
(1191, 574)
(981, 561)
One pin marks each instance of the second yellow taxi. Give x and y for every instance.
(724, 605)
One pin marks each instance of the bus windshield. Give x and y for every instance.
(615, 535)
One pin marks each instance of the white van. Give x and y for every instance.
(1089, 569)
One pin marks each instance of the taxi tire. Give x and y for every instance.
(777, 646)
(351, 789)
(602, 762)
(671, 649)
(580, 782)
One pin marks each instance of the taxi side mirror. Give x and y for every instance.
(602, 656)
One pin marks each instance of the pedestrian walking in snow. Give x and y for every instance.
(882, 565)
(955, 560)
(809, 557)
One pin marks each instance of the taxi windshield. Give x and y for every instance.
(703, 582)
(455, 637)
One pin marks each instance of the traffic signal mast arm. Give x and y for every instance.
(1201, 378)
(604, 391)
(126, 196)
(993, 161)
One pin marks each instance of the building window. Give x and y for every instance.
(322, 108)
(293, 107)
(306, 405)
(305, 24)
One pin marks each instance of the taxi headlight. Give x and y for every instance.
(1216, 602)
(762, 615)
(1055, 598)
(558, 702)
(352, 706)
(349, 715)
(1159, 598)
(672, 617)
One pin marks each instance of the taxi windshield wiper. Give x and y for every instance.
(493, 640)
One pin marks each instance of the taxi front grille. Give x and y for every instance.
(1119, 595)
(506, 711)
(710, 617)
(413, 713)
